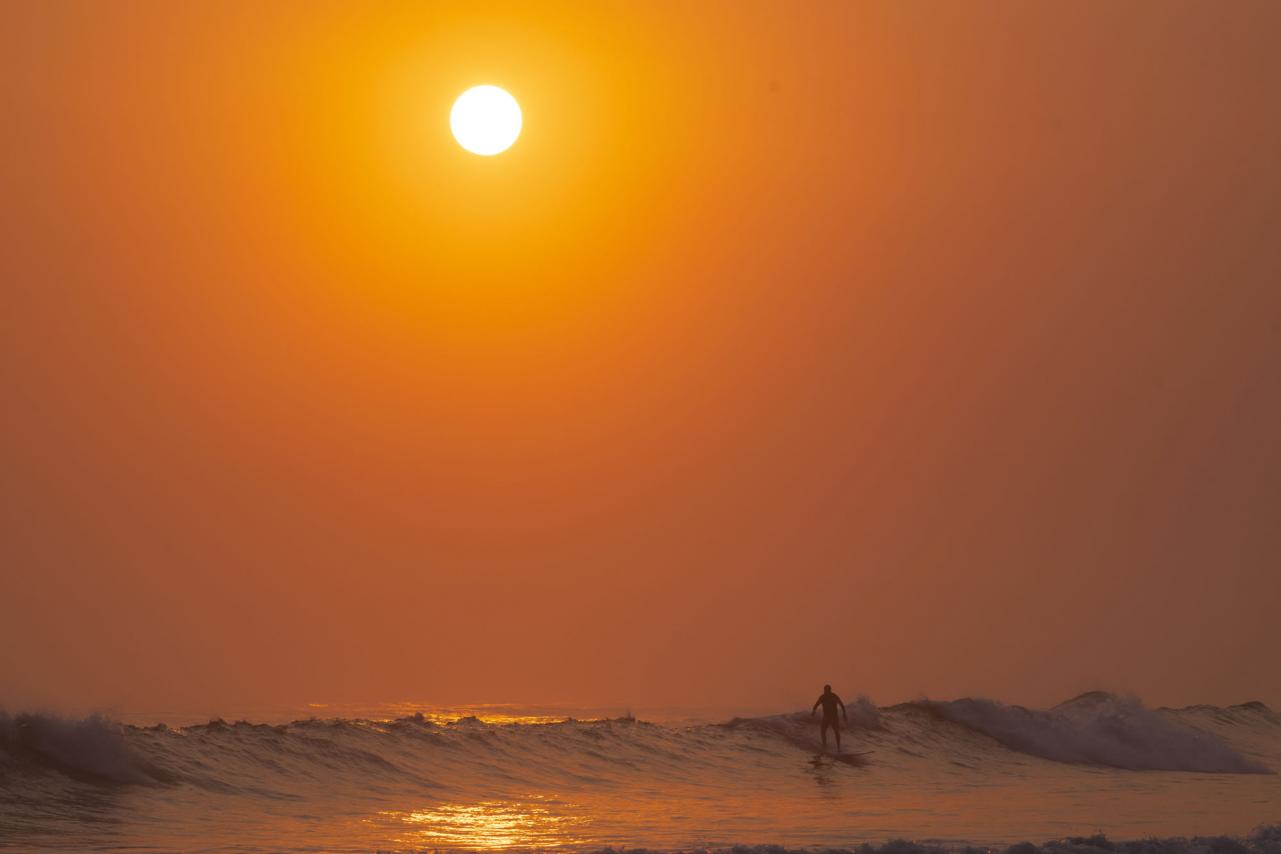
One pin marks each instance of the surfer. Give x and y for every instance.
(829, 702)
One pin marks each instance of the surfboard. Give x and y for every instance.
(851, 758)
(847, 758)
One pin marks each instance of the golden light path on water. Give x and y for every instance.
(487, 826)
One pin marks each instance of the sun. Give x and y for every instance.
(485, 120)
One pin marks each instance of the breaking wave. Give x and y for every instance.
(1102, 729)
(91, 749)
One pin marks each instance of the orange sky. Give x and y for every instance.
(923, 348)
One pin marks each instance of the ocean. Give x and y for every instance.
(1098, 773)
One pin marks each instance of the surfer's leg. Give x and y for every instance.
(822, 729)
(836, 728)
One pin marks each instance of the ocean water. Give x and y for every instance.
(963, 773)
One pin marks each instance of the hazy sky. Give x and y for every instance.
(922, 348)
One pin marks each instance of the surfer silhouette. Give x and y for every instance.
(829, 702)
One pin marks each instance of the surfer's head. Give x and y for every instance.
(827, 689)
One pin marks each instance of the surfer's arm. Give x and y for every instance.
(815, 709)
(843, 712)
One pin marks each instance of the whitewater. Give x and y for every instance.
(1098, 773)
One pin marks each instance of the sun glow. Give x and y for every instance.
(486, 120)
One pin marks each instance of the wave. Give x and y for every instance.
(279, 760)
(1102, 729)
(93, 749)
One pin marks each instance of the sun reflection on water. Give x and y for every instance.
(489, 826)
(490, 713)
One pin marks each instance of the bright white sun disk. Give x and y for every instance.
(485, 120)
